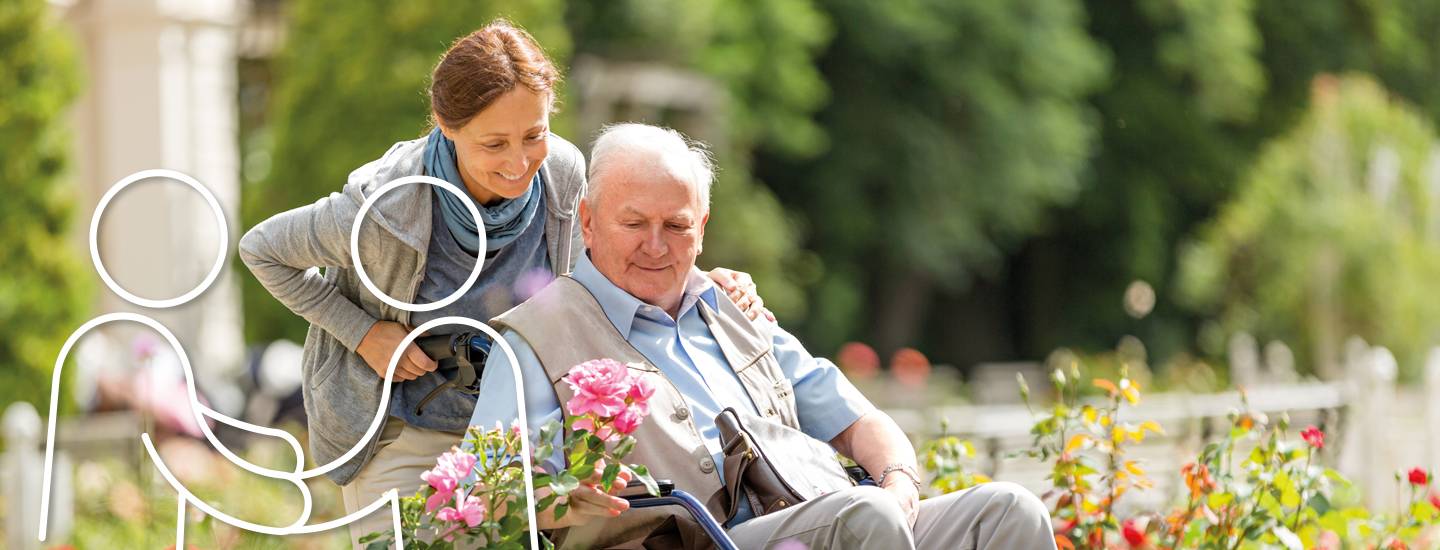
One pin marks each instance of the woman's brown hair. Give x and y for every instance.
(484, 65)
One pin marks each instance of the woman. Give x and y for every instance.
(491, 97)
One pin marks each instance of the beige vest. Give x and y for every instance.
(566, 326)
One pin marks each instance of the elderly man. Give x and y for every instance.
(636, 297)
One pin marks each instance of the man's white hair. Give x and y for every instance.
(686, 159)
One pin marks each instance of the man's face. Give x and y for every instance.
(644, 230)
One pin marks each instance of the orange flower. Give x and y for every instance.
(1198, 479)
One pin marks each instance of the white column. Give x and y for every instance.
(159, 92)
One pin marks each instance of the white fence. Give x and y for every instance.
(1375, 427)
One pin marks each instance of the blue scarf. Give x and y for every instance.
(503, 222)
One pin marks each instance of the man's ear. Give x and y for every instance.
(586, 218)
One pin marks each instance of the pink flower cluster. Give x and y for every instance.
(450, 469)
(445, 477)
(609, 399)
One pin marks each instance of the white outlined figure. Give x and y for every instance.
(296, 476)
(220, 253)
(355, 244)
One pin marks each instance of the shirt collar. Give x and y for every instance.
(622, 308)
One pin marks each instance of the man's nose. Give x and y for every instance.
(654, 245)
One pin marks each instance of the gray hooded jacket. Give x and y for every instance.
(341, 392)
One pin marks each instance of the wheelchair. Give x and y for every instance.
(460, 358)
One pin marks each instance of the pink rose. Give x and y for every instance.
(630, 419)
(640, 392)
(600, 387)
(450, 468)
(468, 511)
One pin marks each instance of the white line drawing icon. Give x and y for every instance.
(297, 476)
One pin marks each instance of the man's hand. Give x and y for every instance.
(380, 343)
(902, 487)
(740, 287)
(588, 502)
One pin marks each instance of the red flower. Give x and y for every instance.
(1134, 533)
(1314, 437)
(1435, 499)
(1419, 476)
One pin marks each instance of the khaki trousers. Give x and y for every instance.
(991, 516)
(403, 453)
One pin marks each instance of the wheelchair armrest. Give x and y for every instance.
(670, 496)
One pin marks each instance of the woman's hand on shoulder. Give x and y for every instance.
(740, 287)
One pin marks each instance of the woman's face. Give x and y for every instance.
(502, 147)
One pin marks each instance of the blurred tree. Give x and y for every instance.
(1198, 87)
(954, 126)
(351, 80)
(1179, 119)
(1335, 231)
(760, 54)
(38, 80)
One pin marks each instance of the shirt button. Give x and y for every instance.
(707, 465)
(682, 413)
(769, 412)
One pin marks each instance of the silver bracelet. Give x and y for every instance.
(902, 468)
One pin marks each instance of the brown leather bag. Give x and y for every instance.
(795, 468)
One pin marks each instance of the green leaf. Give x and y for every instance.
(511, 523)
(564, 484)
(1423, 511)
(1336, 476)
(546, 501)
(1218, 500)
(560, 509)
(607, 479)
(643, 474)
(626, 445)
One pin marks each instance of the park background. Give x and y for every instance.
(941, 193)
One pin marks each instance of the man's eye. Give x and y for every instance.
(632, 225)
(537, 137)
(678, 227)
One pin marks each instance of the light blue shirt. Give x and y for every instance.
(686, 352)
